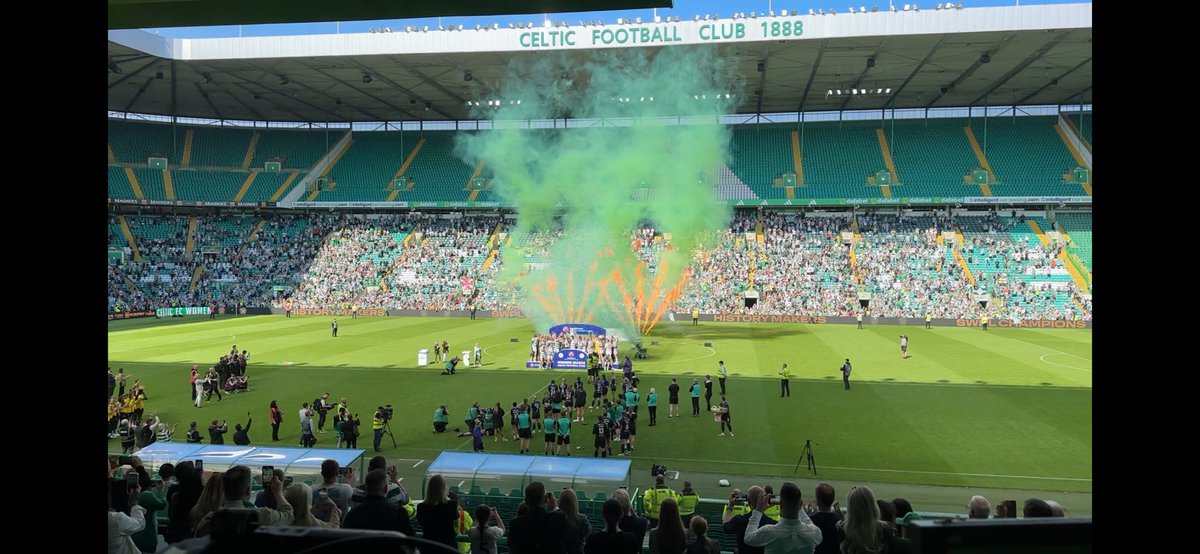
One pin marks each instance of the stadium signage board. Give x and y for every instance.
(570, 359)
(190, 204)
(131, 315)
(753, 318)
(180, 311)
(332, 312)
(1033, 323)
(687, 32)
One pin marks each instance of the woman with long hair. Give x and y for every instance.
(578, 528)
(702, 544)
(630, 521)
(669, 537)
(210, 499)
(863, 532)
(275, 418)
(484, 536)
(299, 496)
(437, 513)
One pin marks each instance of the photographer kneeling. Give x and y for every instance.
(440, 417)
(450, 366)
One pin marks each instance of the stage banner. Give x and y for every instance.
(577, 329)
(570, 359)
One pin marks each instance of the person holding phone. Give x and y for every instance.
(795, 532)
(235, 485)
(264, 498)
(299, 496)
(483, 535)
(216, 433)
(376, 511)
(340, 493)
(241, 435)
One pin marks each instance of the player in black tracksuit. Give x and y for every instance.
(600, 430)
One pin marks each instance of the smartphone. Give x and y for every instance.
(199, 465)
(323, 494)
(1010, 508)
(268, 473)
(131, 480)
(287, 481)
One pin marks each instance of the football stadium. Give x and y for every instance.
(446, 261)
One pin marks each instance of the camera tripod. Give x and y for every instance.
(807, 453)
(387, 430)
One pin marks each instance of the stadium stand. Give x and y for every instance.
(1027, 156)
(294, 149)
(759, 154)
(930, 156)
(219, 147)
(837, 159)
(1078, 227)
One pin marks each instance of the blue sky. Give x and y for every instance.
(685, 9)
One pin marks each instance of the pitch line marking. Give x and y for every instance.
(418, 463)
(892, 470)
(1043, 358)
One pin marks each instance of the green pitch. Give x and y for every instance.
(1003, 409)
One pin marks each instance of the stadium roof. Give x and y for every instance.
(1020, 55)
(132, 14)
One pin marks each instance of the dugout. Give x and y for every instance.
(475, 473)
(303, 464)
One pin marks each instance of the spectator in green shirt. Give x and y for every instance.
(154, 500)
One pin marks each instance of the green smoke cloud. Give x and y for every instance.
(650, 157)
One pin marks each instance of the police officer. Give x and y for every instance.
(928, 319)
(846, 373)
(784, 388)
(653, 499)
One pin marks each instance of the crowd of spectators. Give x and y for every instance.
(442, 268)
(812, 265)
(185, 500)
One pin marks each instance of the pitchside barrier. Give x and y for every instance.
(737, 318)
